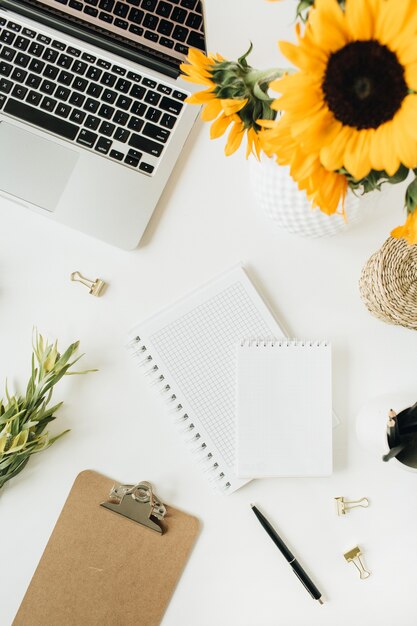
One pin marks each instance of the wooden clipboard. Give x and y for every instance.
(102, 569)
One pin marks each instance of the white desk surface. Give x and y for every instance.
(205, 223)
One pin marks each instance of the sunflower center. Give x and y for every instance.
(364, 84)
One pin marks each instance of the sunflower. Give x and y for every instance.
(407, 231)
(325, 190)
(236, 96)
(353, 102)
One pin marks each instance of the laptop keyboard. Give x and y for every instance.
(174, 24)
(104, 107)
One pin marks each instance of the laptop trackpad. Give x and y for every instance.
(33, 168)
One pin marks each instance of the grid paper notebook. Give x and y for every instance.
(189, 351)
(284, 409)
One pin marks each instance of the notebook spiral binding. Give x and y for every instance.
(259, 343)
(184, 422)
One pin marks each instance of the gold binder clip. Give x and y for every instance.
(138, 503)
(344, 505)
(96, 287)
(354, 556)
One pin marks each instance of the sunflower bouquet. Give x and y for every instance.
(345, 118)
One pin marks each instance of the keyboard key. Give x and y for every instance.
(74, 51)
(106, 111)
(2, 21)
(123, 85)
(178, 15)
(121, 9)
(48, 104)
(94, 73)
(86, 137)
(94, 3)
(39, 118)
(135, 154)
(104, 64)
(121, 135)
(148, 82)
(196, 40)
(90, 11)
(108, 79)
(19, 91)
(164, 89)
(123, 102)
(135, 123)
(7, 53)
(115, 154)
(13, 26)
(77, 116)
(194, 20)
(136, 16)
(165, 27)
(106, 17)
(168, 121)
(150, 21)
(19, 75)
(163, 9)
(58, 45)
(146, 145)
(80, 84)
(103, 145)
(43, 39)
(36, 66)
(33, 81)
(179, 95)
(91, 105)
(21, 43)
(63, 110)
(121, 23)
(36, 49)
(79, 68)
(170, 106)
(92, 122)
(168, 43)
(47, 87)
(50, 55)
(106, 5)
(156, 132)
(180, 33)
(33, 97)
(145, 167)
(22, 59)
(5, 68)
(107, 129)
(64, 61)
(94, 90)
(148, 5)
(138, 108)
(151, 35)
(136, 30)
(29, 33)
(135, 77)
(7, 37)
(65, 78)
(188, 4)
(120, 117)
(109, 96)
(62, 93)
(74, 4)
(51, 72)
(117, 69)
(88, 57)
(152, 97)
(153, 115)
(5, 85)
(76, 99)
(137, 92)
(129, 160)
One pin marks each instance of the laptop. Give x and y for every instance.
(92, 111)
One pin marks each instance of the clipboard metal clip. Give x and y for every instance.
(138, 503)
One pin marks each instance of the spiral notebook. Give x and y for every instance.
(189, 352)
(284, 408)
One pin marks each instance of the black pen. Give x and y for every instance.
(296, 567)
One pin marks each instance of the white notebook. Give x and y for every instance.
(189, 352)
(284, 409)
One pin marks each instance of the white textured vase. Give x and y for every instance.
(278, 196)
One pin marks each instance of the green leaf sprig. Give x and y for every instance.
(23, 419)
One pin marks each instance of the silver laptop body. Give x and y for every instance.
(92, 111)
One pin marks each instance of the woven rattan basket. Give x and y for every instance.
(388, 283)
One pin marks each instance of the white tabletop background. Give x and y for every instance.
(206, 222)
